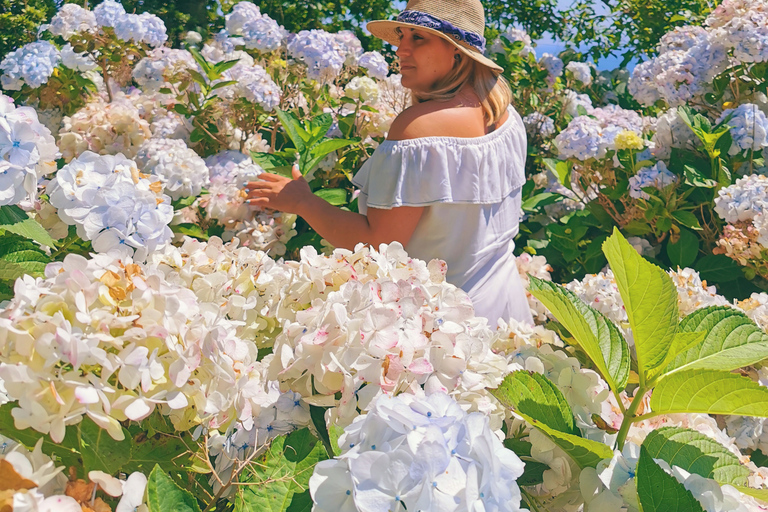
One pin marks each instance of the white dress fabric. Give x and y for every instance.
(471, 190)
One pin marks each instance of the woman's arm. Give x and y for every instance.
(341, 228)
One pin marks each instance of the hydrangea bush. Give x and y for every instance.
(165, 345)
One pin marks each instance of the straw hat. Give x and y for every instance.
(462, 22)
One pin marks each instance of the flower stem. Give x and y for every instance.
(629, 416)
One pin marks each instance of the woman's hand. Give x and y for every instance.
(279, 193)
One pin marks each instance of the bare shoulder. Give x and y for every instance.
(430, 119)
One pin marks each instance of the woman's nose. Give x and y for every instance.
(403, 49)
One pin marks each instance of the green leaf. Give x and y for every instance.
(163, 495)
(682, 342)
(276, 481)
(585, 452)
(225, 83)
(686, 219)
(661, 492)
(294, 129)
(709, 392)
(536, 396)
(718, 268)
(335, 196)
(732, 341)
(299, 444)
(183, 202)
(650, 299)
(190, 229)
(760, 494)
(594, 333)
(301, 502)
(535, 202)
(65, 453)
(561, 169)
(16, 220)
(321, 150)
(221, 67)
(696, 453)
(101, 452)
(696, 179)
(683, 252)
(10, 271)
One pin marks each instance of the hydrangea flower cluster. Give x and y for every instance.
(689, 59)
(263, 34)
(27, 152)
(182, 172)
(744, 206)
(108, 12)
(384, 336)
(592, 136)
(160, 66)
(78, 61)
(657, 176)
(375, 64)
(121, 342)
(241, 13)
(553, 65)
(512, 35)
(71, 20)
(572, 101)
(320, 52)
(225, 200)
(749, 128)
(141, 28)
(31, 65)
(112, 204)
(671, 132)
(536, 266)
(581, 72)
(537, 123)
(349, 45)
(363, 88)
(419, 453)
(104, 128)
(253, 84)
(744, 200)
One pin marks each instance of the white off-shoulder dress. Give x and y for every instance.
(471, 190)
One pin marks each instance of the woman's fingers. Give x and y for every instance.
(268, 176)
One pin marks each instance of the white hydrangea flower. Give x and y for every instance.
(349, 46)
(749, 128)
(104, 128)
(78, 61)
(170, 125)
(656, 176)
(682, 38)
(32, 64)
(642, 85)
(711, 495)
(160, 66)
(263, 34)
(27, 152)
(71, 20)
(141, 28)
(241, 13)
(112, 204)
(228, 171)
(108, 12)
(573, 100)
(748, 36)
(581, 71)
(671, 132)
(265, 231)
(182, 171)
(363, 88)
(536, 266)
(537, 123)
(419, 453)
(512, 35)
(375, 64)
(384, 336)
(592, 136)
(553, 64)
(253, 84)
(319, 51)
(744, 200)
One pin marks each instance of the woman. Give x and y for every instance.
(447, 181)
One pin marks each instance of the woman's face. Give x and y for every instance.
(424, 58)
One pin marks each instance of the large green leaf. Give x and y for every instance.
(659, 491)
(650, 299)
(595, 334)
(319, 151)
(760, 494)
(335, 196)
(163, 495)
(274, 480)
(535, 395)
(732, 341)
(16, 220)
(696, 453)
(709, 392)
(585, 452)
(294, 129)
(100, 451)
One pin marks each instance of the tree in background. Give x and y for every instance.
(20, 20)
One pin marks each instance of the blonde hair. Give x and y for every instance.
(491, 88)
